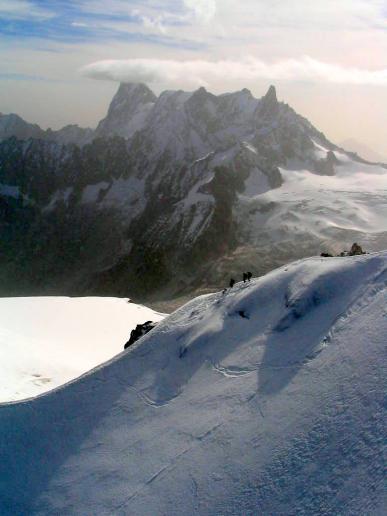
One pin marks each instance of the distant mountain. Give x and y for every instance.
(353, 145)
(176, 193)
(14, 126)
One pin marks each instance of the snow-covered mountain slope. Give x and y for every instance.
(268, 399)
(176, 193)
(48, 341)
(333, 209)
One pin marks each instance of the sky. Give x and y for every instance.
(61, 60)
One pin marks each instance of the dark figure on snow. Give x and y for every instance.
(356, 250)
(244, 277)
(139, 331)
(232, 282)
(249, 275)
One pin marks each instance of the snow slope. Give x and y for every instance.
(334, 208)
(47, 341)
(265, 400)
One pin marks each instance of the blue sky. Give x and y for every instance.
(84, 22)
(326, 57)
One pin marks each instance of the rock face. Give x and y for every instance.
(128, 111)
(169, 194)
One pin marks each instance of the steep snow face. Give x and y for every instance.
(48, 341)
(267, 399)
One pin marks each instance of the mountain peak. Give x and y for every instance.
(271, 94)
(135, 91)
(269, 102)
(130, 99)
(247, 92)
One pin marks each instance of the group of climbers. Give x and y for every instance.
(355, 250)
(246, 277)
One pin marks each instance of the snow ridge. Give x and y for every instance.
(278, 411)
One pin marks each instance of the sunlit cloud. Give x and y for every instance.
(202, 72)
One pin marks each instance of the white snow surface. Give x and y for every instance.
(268, 399)
(307, 203)
(48, 341)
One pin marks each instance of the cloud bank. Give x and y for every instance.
(204, 73)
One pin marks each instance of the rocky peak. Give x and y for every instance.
(246, 92)
(14, 125)
(269, 103)
(129, 101)
(129, 97)
(201, 95)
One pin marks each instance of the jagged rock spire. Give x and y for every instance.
(269, 103)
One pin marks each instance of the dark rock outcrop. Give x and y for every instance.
(139, 331)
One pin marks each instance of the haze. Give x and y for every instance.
(62, 59)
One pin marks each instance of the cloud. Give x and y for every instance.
(79, 24)
(202, 72)
(203, 10)
(23, 10)
(151, 22)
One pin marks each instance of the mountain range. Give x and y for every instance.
(175, 193)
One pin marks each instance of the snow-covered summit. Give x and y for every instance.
(265, 400)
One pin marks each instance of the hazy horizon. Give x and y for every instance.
(327, 60)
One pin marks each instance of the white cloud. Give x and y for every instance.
(202, 72)
(203, 10)
(151, 22)
(22, 10)
(79, 24)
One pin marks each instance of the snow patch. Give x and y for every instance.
(91, 192)
(60, 338)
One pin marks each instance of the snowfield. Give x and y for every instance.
(337, 209)
(268, 399)
(47, 341)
